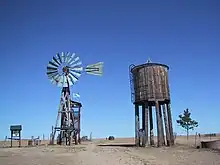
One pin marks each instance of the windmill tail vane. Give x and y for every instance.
(95, 69)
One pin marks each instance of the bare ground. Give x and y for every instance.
(91, 154)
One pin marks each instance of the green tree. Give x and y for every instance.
(186, 122)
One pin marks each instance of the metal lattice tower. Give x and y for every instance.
(64, 71)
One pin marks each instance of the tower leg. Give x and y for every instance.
(161, 127)
(151, 126)
(146, 111)
(76, 138)
(79, 129)
(170, 124)
(137, 126)
(159, 133)
(143, 126)
(166, 126)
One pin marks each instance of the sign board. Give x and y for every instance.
(15, 127)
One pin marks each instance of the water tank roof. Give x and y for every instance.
(149, 64)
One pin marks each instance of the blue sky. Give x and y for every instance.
(182, 34)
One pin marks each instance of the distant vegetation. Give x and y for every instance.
(186, 122)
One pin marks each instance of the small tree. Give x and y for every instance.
(186, 121)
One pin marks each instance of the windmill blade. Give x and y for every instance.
(68, 57)
(52, 75)
(55, 61)
(70, 80)
(75, 73)
(52, 81)
(52, 64)
(74, 60)
(60, 81)
(52, 72)
(79, 63)
(59, 58)
(71, 57)
(63, 57)
(95, 69)
(51, 68)
(78, 69)
(54, 78)
(74, 77)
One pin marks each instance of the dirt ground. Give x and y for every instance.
(91, 153)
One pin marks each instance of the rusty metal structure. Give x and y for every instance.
(150, 88)
(64, 71)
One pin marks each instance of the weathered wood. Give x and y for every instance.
(159, 133)
(170, 124)
(79, 124)
(146, 111)
(166, 126)
(161, 126)
(151, 126)
(143, 124)
(150, 82)
(151, 86)
(137, 125)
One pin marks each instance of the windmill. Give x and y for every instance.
(64, 71)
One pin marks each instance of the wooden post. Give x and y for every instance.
(195, 138)
(170, 124)
(145, 123)
(137, 126)
(143, 126)
(19, 138)
(161, 127)
(32, 139)
(166, 126)
(151, 126)
(79, 126)
(52, 135)
(159, 134)
(11, 137)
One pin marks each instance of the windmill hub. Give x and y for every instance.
(65, 70)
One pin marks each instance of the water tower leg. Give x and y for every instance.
(162, 128)
(159, 133)
(151, 126)
(166, 126)
(170, 124)
(145, 123)
(137, 125)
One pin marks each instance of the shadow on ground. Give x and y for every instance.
(117, 145)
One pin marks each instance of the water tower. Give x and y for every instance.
(150, 88)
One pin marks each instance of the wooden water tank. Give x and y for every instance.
(150, 81)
